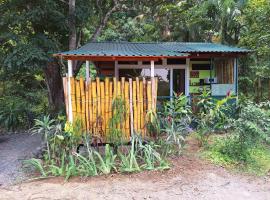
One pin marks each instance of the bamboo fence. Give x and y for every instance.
(91, 104)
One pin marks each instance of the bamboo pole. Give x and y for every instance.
(90, 106)
(94, 97)
(73, 97)
(135, 118)
(102, 100)
(78, 101)
(106, 105)
(127, 106)
(131, 108)
(119, 97)
(98, 98)
(138, 105)
(110, 99)
(123, 124)
(114, 87)
(144, 102)
(141, 108)
(87, 106)
(82, 103)
(149, 98)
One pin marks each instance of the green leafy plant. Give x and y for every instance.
(152, 158)
(13, 112)
(37, 164)
(107, 163)
(212, 116)
(129, 161)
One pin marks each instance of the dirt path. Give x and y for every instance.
(14, 149)
(190, 178)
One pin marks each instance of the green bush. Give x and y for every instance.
(228, 152)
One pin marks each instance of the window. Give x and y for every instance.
(163, 76)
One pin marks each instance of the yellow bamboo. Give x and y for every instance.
(90, 106)
(138, 104)
(119, 97)
(141, 107)
(94, 97)
(110, 99)
(87, 106)
(114, 88)
(149, 97)
(106, 105)
(78, 101)
(135, 118)
(127, 127)
(82, 103)
(73, 97)
(98, 98)
(102, 100)
(144, 102)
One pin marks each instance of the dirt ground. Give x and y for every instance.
(189, 178)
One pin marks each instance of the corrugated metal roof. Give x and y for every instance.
(150, 49)
(196, 47)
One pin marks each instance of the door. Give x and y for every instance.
(179, 81)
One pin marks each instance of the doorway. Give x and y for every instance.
(179, 81)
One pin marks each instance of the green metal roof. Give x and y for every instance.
(150, 49)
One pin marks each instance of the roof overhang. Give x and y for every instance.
(115, 58)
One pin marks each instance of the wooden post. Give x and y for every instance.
(70, 116)
(187, 77)
(235, 74)
(171, 84)
(131, 108)
(152, 72)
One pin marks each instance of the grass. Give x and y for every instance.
(225, 152)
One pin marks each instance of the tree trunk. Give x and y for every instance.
(54, 84)
(72, 25)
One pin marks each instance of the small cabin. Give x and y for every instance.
(171, 67)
